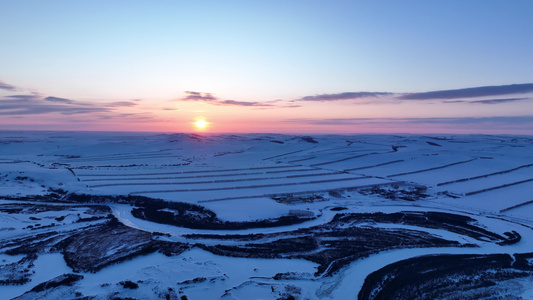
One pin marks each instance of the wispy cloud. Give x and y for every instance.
(33, 107)
(241, 103)
(132, 116)
(7, 87)
(121, 104)
(344, 96)
(483, 91)
(60, 100)
(446, 96)
(209, 98)
(37, 104)
(488, 101)
(198, 96)
(517, 120)
(24, 97)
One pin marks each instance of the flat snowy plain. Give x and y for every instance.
(257, 216)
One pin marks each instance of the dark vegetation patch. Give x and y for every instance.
(290, 198)
(61, 280)
(338, 208)
(346, 238)
(395, 148)
(460, 224)
(129, 284)
(197, 217)
(30, 208)
(332, 248)
(32, 244)
(277, 142)
(433, 144)
(60, 197)
(449, 277)
(193, 281)
(17, 273)
(396, 192)
(90, 248)
(338, 243)
(308, 139)
(96, 248)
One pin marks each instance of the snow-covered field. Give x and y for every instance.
(257, 216)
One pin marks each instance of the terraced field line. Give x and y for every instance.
(434, 168)
(330, 149)
(303, 159)
(288, 153)
(213, 181)
(342, 159)
(248, 186)
(516, 206)
(498, 187)
(373, 166)
(174, 177)
(352, 151)
(119, 155)
(485, 175)
(120, 158)
(113, 156)
(303, 193)
(15, 162)
(209, 176)
(123, 154)
(293, 170)
(191, 172)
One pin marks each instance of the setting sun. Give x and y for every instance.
(201, 124)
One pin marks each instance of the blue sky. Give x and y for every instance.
(257, 60)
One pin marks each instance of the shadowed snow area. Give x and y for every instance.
(188, 216)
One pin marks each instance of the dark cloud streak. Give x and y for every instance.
(209, 98)
(24, 97)
(241, 103)
(17, 107)
(344, 96)
(35, 104)
(489, 101)
(198, 96)
(7, 87)
(517, 120)
(60, 100)
(121, 104)
(483, 91)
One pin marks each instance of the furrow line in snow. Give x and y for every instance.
(516, 206)
(498, 187)
(303, 159)
(485, 175)
(215, 181)
(73, 160)
(293, 170)
(288, 153)
(173, 177)
(434, 168)
(249, 186)
(378, 165)
(205, 176)
(342, 159)
(128, 154)
(192, 172)
(300, 193)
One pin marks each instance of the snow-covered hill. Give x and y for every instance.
(256, 216)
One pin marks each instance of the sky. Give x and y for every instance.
(267, 66)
